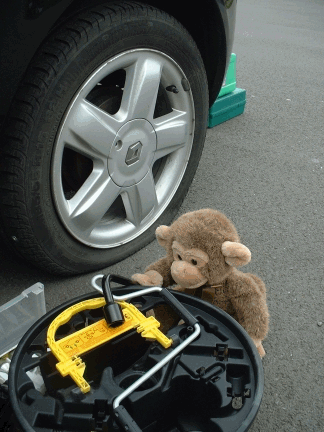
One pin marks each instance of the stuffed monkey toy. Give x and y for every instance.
(203, 250)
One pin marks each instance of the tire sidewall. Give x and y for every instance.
(98, 47)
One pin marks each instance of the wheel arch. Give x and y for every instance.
(206, 26)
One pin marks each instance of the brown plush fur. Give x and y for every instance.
(203, 248)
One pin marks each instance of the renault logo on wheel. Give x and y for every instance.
(133, 153)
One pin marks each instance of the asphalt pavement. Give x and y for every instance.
(265, 171)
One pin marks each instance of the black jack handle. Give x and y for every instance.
(112, 311)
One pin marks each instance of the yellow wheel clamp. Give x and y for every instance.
(68, 349)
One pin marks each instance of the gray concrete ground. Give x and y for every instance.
(264, 170)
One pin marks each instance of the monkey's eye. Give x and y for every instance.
(179, 257)
(194, 262)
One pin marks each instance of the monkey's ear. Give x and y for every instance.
(236, 254)
(163, 235)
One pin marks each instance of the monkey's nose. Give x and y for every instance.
(186, 274)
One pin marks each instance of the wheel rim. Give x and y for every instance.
(126, 165)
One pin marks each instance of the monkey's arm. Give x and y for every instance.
(158, 273)
(163, 267)
(247, 295)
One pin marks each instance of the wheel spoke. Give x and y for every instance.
(91, 131)
(140, 199)
(141, 88)
(92, 201)
(172, 132)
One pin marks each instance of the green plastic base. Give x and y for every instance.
(227, 107)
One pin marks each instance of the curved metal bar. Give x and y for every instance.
(126, 296)
(157, 367)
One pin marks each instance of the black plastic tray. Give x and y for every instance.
(214, 385)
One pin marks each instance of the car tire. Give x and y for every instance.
(116, 83)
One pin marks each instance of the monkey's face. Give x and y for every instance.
(220, 250)
(189, 266)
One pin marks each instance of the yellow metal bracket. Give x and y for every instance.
(68, 349)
